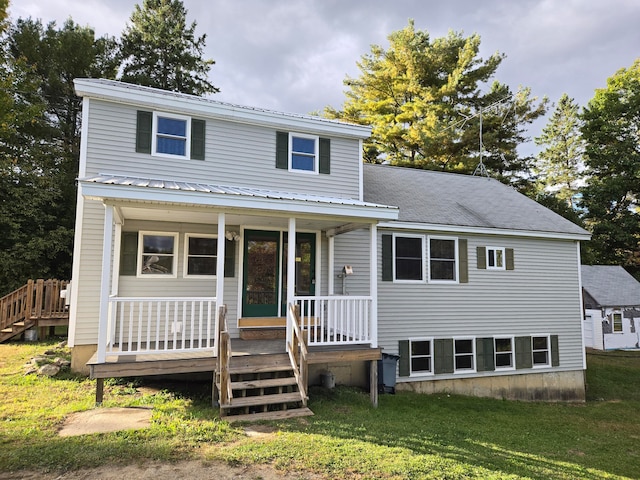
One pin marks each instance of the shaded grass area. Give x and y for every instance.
(408, 436)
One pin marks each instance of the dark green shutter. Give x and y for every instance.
(143, 132)
(463, 259)
(509, 260)
(325, 156)
(404, 368)
(555, 353)
(523, 352)
(485, 359)
(128, 253)
(482, 257)
(229, 258)
(443, 355)
(282, 150)
(387, 258)
(197, 139)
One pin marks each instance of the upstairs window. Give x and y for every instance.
(299, 152)
(495, 258)
(201, 255)
(170, 135)
(408, 260)
(304, 153)
(442, 259)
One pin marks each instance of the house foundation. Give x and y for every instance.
(549, 386)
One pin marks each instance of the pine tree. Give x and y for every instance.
(560, 164)
(422, 98)
(159, 50)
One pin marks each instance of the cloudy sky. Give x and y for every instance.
(293, 55)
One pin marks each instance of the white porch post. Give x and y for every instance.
(220, 268)
(331, 262)
(103, 320)
(291, 271)
(373, 281)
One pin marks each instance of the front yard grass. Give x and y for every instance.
(408, 436)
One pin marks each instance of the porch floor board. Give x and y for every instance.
(169, 363)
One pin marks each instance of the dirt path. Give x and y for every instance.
(192, 469)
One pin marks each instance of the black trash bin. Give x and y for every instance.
(387, 373)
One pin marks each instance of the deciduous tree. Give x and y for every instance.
(611, 131)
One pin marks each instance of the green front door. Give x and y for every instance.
(264, 287)
(261, 273)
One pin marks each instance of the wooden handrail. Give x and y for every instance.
(224, 357)
(298, 352)
(34, 301)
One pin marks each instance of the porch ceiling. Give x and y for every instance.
(198, 215)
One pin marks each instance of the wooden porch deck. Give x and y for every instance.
(198, 361)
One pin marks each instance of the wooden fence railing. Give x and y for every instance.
(39, 299)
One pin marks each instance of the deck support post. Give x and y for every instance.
(373, 382)
(99, 390)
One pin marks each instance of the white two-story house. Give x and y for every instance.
(186, 210)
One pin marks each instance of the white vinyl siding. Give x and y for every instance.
(540, 295)
(237, 154)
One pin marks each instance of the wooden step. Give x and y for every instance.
(7, 330)
(18, 324)
(264, 383)
(259, 369)
(264, 400)
(275, 415)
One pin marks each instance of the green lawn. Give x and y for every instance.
(408, 436)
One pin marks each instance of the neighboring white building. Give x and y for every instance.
(611, 308)
(473, 285)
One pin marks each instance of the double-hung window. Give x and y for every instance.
(540, 351)
(464, 355)
(157, 253)
(303, 153)
(503, 351)
(408, 258)
(171, 135)
(495, 258)
(443, 259)
(617, 322)
(200, 255)
(421, 356)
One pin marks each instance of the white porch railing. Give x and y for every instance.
(153, 325)
(337, 320)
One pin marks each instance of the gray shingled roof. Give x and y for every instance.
(611, 285)
(438, 198)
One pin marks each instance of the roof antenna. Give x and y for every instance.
(481, 170)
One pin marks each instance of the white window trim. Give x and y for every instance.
(504, 258)
(154, 139)
(421, 373)
(613, 322)
(423, 264)
(541, 365)
(456, 268)
(513, 352)
(473, 356)
(185, 270)
(316, 163)
(140, 262)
